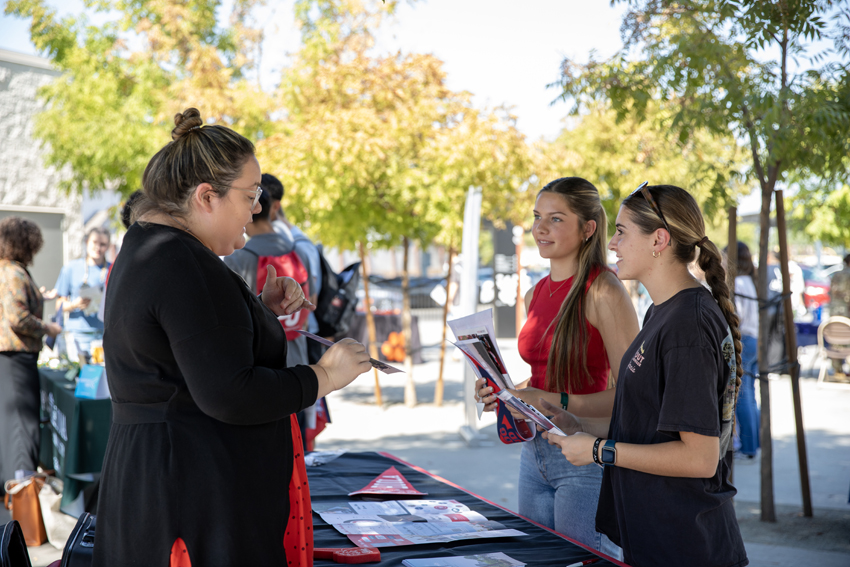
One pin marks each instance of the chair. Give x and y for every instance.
(833, 343)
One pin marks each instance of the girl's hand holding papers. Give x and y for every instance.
(485, 395)
(577, 448)
(566, 422)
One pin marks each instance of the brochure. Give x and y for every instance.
(408, 522)
(475, 339)
(483, 560)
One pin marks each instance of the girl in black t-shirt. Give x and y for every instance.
(666, 497)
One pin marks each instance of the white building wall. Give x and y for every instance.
(26, 183)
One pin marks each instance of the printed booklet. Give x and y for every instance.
(475, 340)
(408, 522)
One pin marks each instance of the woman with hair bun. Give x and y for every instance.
(666, 450)
(203, 403)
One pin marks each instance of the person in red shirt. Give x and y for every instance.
(580, 322)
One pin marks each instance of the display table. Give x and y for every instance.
(352, 471)
(74, 432)
(384, 325)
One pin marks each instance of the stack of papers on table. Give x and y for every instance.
(408, 522)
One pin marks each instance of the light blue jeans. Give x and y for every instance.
(746, 410)
(561, 496)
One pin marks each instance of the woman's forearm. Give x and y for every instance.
(599, 404)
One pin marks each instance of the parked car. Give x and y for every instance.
(816, 293)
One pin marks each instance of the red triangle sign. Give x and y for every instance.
(389, 482)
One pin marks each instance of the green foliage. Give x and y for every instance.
(618, 155)
(376, 144)
(708, 64)
(122, 82)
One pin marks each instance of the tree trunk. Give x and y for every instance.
(438, 389)
(768, 510)
(791, 347)
(370, 321)
(406, 327)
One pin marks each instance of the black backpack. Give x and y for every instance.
(337, 299)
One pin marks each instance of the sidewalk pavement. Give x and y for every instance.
(428, 436)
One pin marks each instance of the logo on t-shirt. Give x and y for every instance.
(637, 359)
(727, 411)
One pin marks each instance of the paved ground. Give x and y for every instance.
(427, 436)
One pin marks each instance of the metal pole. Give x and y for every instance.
(469, 304)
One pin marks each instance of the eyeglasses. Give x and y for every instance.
(257, 192)
(648, 196)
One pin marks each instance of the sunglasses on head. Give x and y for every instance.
(644, 190)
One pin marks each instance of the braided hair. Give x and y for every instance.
(687, 233)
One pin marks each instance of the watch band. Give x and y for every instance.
(596, 450)
(609, 453)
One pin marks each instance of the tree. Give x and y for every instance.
(727, 66)
(366, 143)
(479, 149)
(619, 154)
(122, 82)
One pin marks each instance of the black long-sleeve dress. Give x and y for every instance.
(201, 444)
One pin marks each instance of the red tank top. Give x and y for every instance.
(534, 347)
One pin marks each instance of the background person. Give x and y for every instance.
(21, 333)
(86, 275)
(747, 308)
(666, 497)
(309, 254)
(265, 242)
(201, 395)
(839, 303)
(580, 321)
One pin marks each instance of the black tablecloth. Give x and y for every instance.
(353, 471)
(74, 432)
(384, 325)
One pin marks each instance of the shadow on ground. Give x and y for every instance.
(827, 530)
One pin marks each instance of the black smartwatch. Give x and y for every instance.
(609, 453)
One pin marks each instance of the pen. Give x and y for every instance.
(585, 562)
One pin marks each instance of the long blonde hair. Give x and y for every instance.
(567, 365)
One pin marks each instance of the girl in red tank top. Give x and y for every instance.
(535, 338)
(580, 322)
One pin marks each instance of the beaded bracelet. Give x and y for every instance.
(596, 451)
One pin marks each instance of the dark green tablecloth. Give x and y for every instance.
(74, 432)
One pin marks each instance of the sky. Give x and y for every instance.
(504, 52)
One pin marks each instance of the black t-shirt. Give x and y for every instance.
(678, 375)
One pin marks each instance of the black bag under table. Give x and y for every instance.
(353, 471)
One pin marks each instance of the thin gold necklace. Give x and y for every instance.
(182, 225)
(563, 283)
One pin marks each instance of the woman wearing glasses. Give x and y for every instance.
(666, 497)
(580, 322)
(202, 400)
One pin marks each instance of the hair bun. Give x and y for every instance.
(185, 122)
